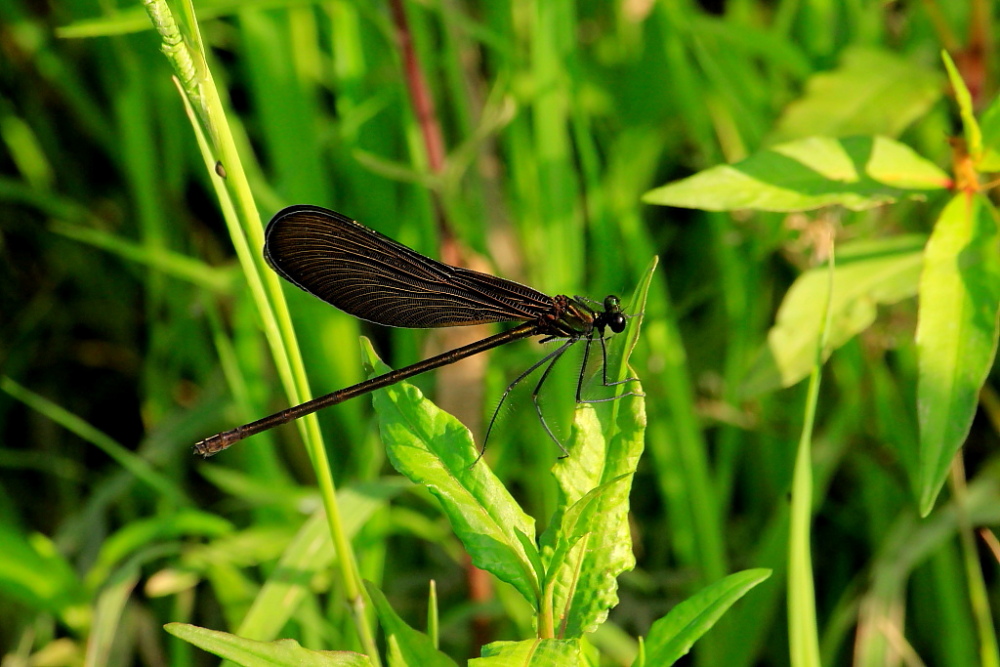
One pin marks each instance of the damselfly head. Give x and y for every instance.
(613, 316)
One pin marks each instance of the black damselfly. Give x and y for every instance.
(372, 277)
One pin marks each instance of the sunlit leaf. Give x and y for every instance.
(868, 274)
(956, 332)
(857, 173)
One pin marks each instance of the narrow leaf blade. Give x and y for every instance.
(252, 653)
(673, 635)
(406, 645)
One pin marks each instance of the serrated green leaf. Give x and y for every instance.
(531, 653)
(589, 556)
(673, 635)
(406, 645)
(252, 653)
(872, 92)
(596, 456)
(956, 332)
(855, 172)
(868, 274)
(604, 450)
(431, 447)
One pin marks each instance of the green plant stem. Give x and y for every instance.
(208, 116)
(978, 595)
(802, 631)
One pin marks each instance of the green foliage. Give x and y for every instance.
(854, 172)
(956, 332)
(673, 635)
(868, 274)
(139, 317)
(260, 654)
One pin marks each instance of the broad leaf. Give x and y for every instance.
(531, 653)
(872, 92)
(588, 543)
(431, 447)
(593, 549)
(956, 332)
(856, 172)
(868, 274)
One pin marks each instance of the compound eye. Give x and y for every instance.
(611, 304)
(616, 322)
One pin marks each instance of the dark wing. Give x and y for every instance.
(370, 276)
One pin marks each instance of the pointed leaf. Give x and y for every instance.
(873, 91)
(970, 127)
(589, 557)
(956, 332)
(406, 645)
(673, 635)
(868, 274)
(531, 653)
(589, 542)
(856, 172)
(431, 447)
(252, 653)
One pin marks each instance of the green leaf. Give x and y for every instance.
(873, 92)
(868, 274)
(592, 550)
(252, 653)
(406, 645)
(956, 332)
(309, 553)
(111, 603)
(973, 136)
(531, 653)
(140, 534)
(589, 541)
(431, 447)
(673, 635)
(170, 263)
(34, 574)
(607, 438)
(990, 124)
(855, 172)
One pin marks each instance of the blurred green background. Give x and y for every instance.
(127, 333)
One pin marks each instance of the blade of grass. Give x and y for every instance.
(138, 466)
(803, 631)
(215, 139)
